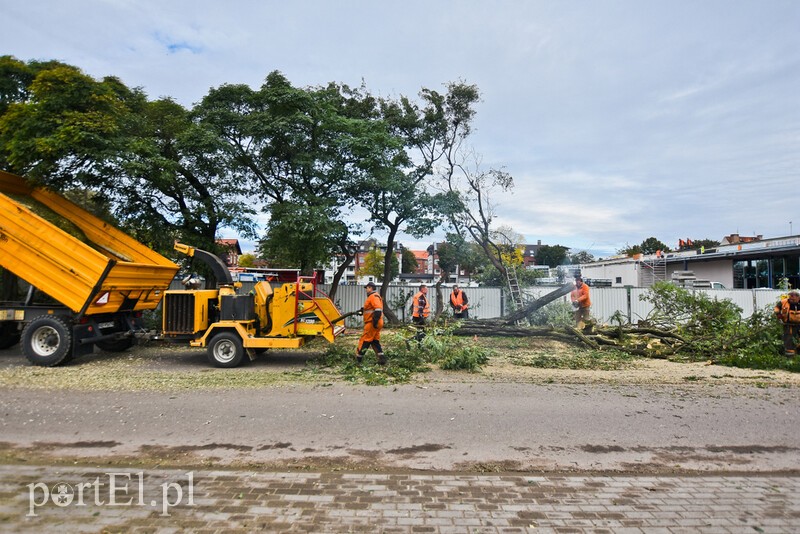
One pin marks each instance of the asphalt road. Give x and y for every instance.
(497, 426)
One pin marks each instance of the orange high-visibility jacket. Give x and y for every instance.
(788, 312)
(420, 306)
(581, 296)
(371, 305)
(459, 301)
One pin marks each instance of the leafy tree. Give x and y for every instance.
(581, 257)
(651, 245)
(551, 255)
(160, 169)
(470, 188)
(172, 172)
(374, 266)
(396, 192)
(300, 145)
(15, 79)
(298, 235)
(697, 244)
(630, 250)
(247, 260)
(409, 261)
(63, 126)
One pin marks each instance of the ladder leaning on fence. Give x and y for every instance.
(513, 288)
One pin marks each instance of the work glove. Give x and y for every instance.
(361, 311)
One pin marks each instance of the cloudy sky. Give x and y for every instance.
(619, 120)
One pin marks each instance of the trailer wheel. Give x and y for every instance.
(47, 340)
(9, 335)
(225, 350)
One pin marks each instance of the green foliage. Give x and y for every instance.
(247, 260)
(441, 347)
(651, 245)
(340, 358)
(409, 261)
(630, 250)
(300, 235)
(406, 356)
(714, 329)
(556, 314)
(582, 256)
(697, 244)
(62, 125)
(551, 255)
(374, 265)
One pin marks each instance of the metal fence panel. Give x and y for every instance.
(766, 298)
(606, 301)
(640, 309)
(490, 302)
(484, 302)
(741, 297)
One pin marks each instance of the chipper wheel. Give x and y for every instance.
(225, 350)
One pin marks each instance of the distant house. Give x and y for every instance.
(736, 239)
(231, 251)
(529, 253)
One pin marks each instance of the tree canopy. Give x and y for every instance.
(307, 158)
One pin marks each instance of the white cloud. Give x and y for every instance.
(618, 120)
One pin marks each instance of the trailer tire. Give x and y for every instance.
(47, 340)
(226, 350)
(9, 335)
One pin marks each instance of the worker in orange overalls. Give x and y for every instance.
(459, 303)
(420, 310)
(373, 323)
(788, 312)
(581, 303)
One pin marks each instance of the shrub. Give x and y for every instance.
(715, 330)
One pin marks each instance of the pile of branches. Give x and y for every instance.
(682, 322)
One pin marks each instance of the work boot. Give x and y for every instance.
(359, 359)
(381, 359)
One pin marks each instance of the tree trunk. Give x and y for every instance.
(388, 314)
(349, 254)
(531, 308)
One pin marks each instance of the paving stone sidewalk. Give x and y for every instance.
(75, 499)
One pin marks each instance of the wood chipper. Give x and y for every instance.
(88, 287)
(232, 325)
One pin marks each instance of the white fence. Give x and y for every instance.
(492, 302)
(606, 301)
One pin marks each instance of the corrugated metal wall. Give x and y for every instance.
(484, 302)
(490, 302)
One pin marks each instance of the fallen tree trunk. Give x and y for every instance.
(532, 307)
(638, 342)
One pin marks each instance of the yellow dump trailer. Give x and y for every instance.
(97, 285)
